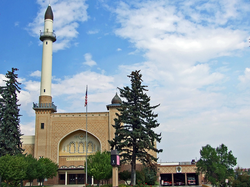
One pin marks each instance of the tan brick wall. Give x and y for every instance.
(172, 169)
(45, 99)
(28, 149)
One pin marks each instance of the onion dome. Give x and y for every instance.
(49, 13)
(116, 100)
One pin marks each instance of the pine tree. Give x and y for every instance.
(10, 133)
(134, 135)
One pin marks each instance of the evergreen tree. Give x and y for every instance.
(134, 135)
(10, 142)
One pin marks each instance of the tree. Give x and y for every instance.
(46, 168)
(10, 133)
(31, 172)
(217, 164)
(13, 169)
(134, 135)
(99, 166)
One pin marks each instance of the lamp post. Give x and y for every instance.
(115, 162)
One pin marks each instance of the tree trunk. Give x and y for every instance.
(133, 171)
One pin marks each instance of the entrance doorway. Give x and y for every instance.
(72, 178)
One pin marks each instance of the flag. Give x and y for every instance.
(86, 97)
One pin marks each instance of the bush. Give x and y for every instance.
(125, 175)
(107, 185)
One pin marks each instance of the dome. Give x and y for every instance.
(48, 13)
(116, 100)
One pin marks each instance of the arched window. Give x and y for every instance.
(80, 147)
(72, 147)
(90, 147)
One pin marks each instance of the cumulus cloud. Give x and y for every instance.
(88, 60)
(244, 79)
(180, 41)
(68, 14)
(2, 78)
(77, 83)
(28, 128)
(36, 73)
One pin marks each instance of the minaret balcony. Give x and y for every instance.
(48, 35)
(45, 106)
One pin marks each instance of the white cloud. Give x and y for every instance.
(36, 73)
(180, 40)
(88, 60)
(28, 128)
(68, 14)
(2, 78)
(118, 49)
(245, 79)
(77, 83)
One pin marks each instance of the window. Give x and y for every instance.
(62, 176)
(42, 125)
(72, 147)
(80, 147)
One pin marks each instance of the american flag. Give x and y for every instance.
(86, 97)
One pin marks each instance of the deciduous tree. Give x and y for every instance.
(31, 172)
(134, 135)
(216, 163)
(46, 168)
(99, 166)
(13, 169)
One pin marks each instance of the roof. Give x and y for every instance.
(49, 13)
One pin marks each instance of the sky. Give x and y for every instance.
(193, 56)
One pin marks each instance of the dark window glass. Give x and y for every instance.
(42, 125)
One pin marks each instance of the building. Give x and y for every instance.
(62, 136)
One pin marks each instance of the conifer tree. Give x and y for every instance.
(134, 135)
(10, 142)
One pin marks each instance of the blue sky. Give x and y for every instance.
(193, 55)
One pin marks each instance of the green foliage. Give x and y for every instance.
(107, 185)
(134, 135)
(13, 169)
(31, 172)
(242, 181)
(99, 166)
(217, 164)
(10, 142)
(150, 175)
(125, 175)
(46, 169)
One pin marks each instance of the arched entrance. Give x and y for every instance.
(72, 156)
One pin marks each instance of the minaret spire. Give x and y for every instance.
(47, 37)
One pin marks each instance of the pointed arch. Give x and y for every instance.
(74, 143)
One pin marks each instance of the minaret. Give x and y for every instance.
(45, 107)
(47, 37)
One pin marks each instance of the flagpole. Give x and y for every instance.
(86, 104)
